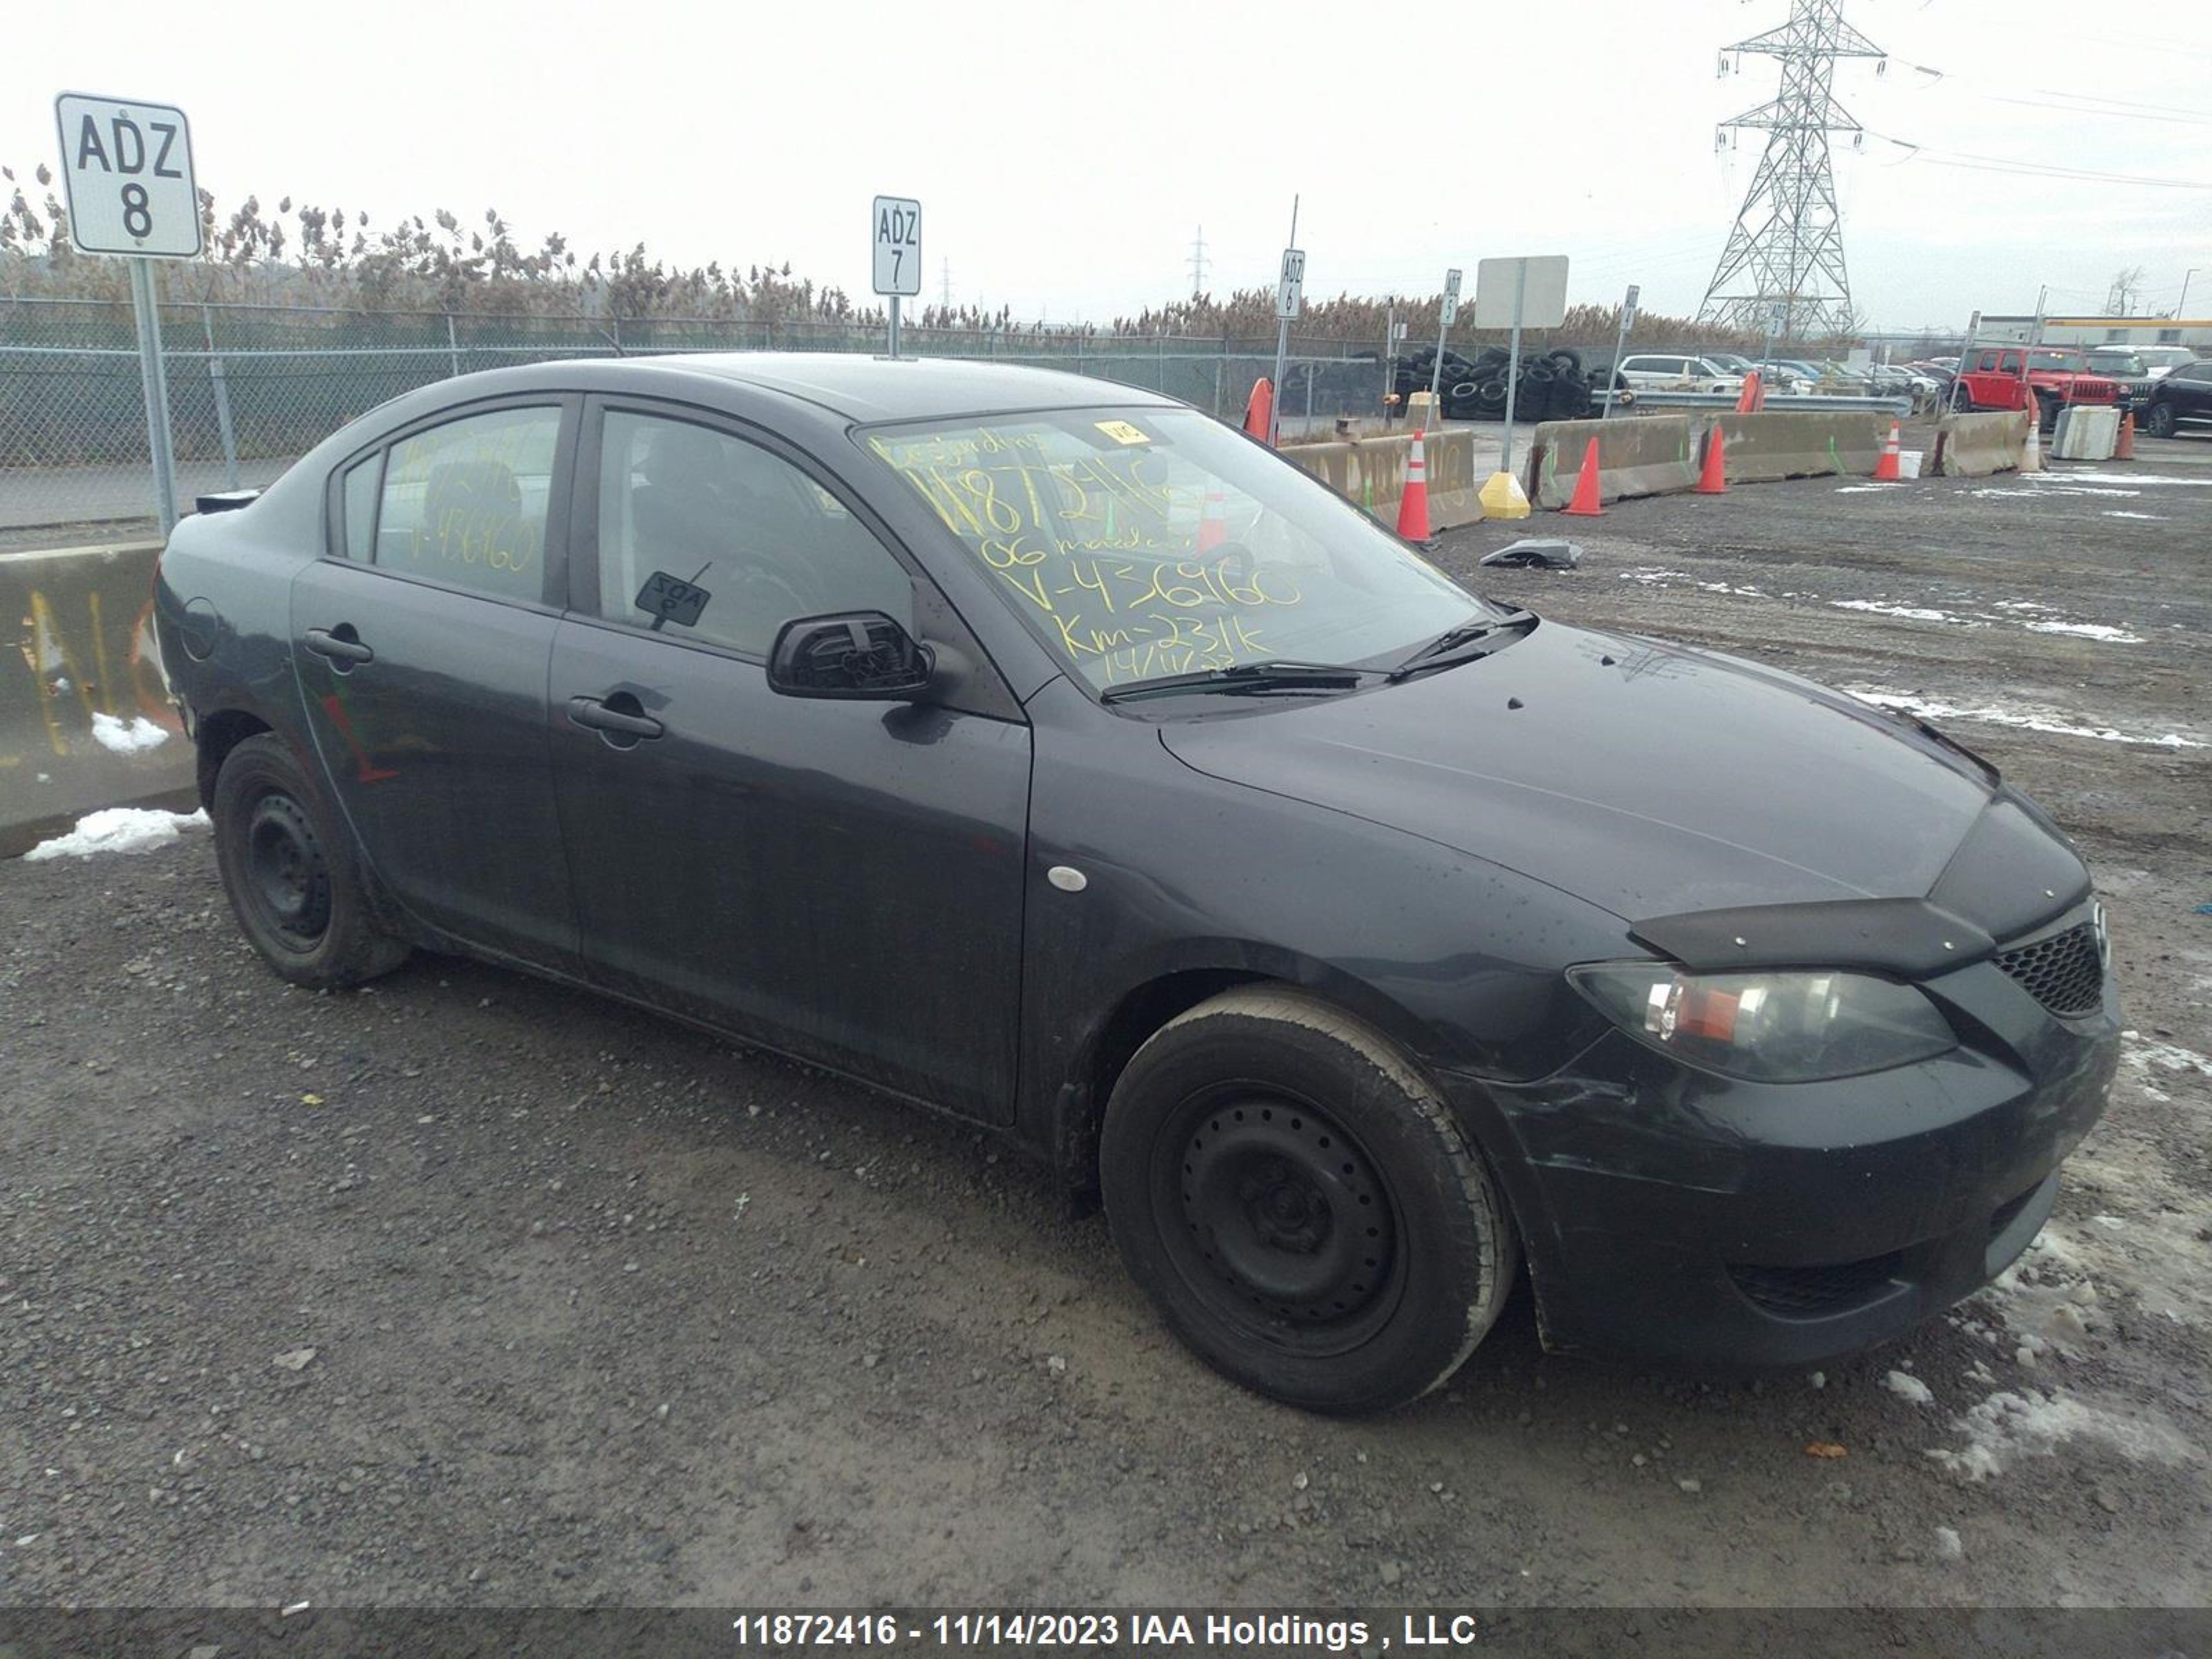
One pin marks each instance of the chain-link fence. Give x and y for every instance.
(251, 387)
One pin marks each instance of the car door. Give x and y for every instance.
(420, 643)
(2191, 389)
(842, 880)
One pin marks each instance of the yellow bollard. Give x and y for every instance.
(1503, 498)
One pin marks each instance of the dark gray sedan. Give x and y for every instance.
(1054, 756)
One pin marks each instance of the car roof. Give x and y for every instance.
(867, 388)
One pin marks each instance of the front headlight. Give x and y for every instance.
(1769, 1028)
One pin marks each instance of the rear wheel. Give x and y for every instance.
(1300, 1206)
(290, 872)
(2158, 420)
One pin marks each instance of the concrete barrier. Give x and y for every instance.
(1371, 471)
(85, 720)
(1773, 445)
(1652, 455)
(1975, 445)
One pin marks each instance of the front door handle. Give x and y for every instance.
(338, 647)
(603, 717)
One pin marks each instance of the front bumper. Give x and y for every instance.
(1672, 1213)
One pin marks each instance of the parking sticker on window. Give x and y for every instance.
(1122, 433)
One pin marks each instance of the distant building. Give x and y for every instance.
(2192, 331)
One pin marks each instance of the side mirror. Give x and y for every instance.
(859, 656)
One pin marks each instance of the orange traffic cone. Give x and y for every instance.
(1259, 408)
(1212, 522)
(1713, 481)
(1586, 503)
(2125, 450)
(1884, 470)
(1754, 397)
(1414, 504)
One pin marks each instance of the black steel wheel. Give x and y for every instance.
(294, 881)
(286, 881)
(2158, 420)
(1301, 1207)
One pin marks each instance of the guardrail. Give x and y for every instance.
(1777, 403)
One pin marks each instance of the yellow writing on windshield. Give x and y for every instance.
(1133, 571)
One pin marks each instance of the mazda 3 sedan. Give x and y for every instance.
(1057, 757)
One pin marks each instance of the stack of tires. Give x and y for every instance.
(1552, 387)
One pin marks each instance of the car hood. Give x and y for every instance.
(1646, 778)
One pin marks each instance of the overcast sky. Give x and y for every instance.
(1065, 155)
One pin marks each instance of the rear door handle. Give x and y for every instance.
(590, 711)
(336, 647)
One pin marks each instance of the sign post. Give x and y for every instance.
(1526, 292)
(1953, 393)
(1290, 300)
(898, 254)
(1620, 345)
(1447, 314)
(127, 174)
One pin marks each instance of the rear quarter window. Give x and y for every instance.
(361, 480)
(464, 503)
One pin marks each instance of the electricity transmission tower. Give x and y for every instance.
(1783, 269)
(1198, 264)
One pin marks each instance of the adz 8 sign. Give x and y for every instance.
(127, 171)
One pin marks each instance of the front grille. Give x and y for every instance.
(1799, 1291)
(2063, 972)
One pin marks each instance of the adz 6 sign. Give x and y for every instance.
(127, 170)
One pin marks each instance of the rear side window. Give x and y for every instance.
(465, 502)
(361, 483)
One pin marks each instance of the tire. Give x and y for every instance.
(2158, 420)
(1569, 360)
(290, 870)
(1300, 1206)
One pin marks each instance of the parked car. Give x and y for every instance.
(2125, 368)
(2158, 361)
(1771, 376)
(2182, 399)
(1671, 371)
(1047, 751)
(2006, 377)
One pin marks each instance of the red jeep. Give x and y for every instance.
(2003, 377)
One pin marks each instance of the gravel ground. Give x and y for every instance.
(464, 1290)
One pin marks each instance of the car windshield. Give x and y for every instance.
(2115, 362)
(2063, 362)
(1149, 541)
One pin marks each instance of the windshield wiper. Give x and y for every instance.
(1470, 632)
(1270, 676)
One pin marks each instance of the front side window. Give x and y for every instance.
(1158, 541)
(686, 512)
(465, 502)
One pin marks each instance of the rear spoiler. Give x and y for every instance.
(227, 501)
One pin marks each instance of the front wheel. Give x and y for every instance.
(2158, 420)
(290, 872)
(1300, 1206)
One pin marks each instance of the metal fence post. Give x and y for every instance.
(453, 345)
(220, 384)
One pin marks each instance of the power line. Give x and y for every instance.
(1978, 163)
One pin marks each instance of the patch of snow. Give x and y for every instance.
(2139, 1051)
(1865, 489)
(2105, 631)
(118, 830)
(1906, 1386)
(2129, 478)
(1910, 612)
(2028, 718)
(1656, 576)
(127, 737)
(2122, 513)
(2009, 1426)
(61, 682)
